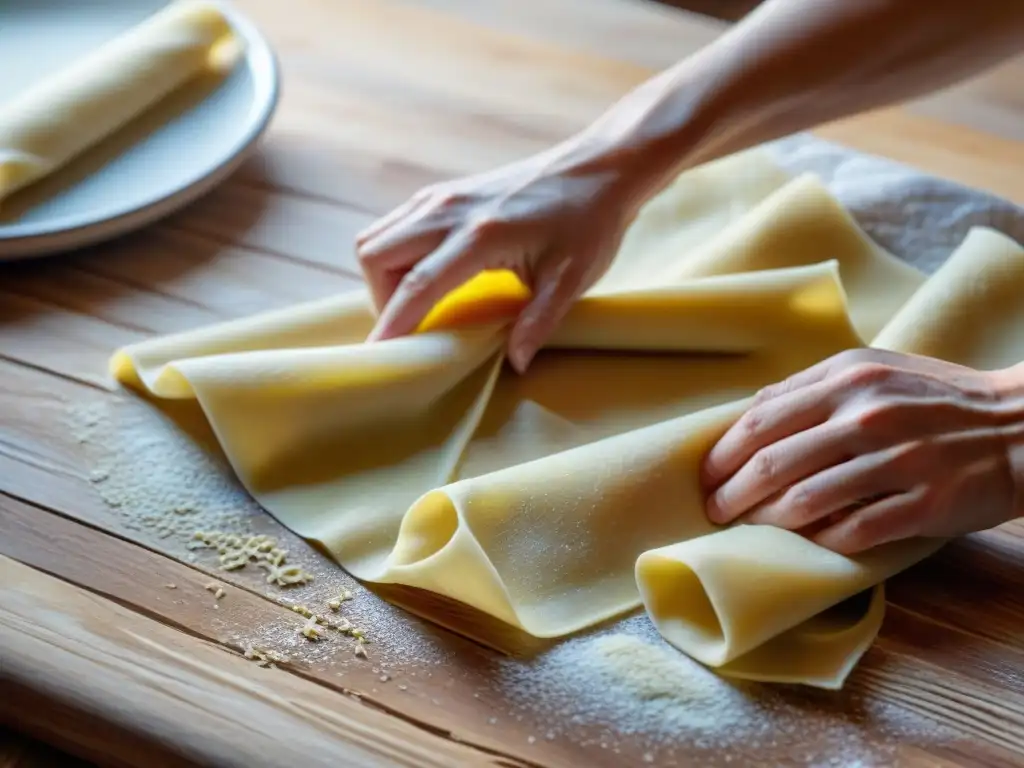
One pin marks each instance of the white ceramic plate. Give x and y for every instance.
(165, 159)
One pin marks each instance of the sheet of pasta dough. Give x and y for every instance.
(558, 499)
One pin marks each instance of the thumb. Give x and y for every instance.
(556, 286)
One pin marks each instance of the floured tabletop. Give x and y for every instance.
(147, 614)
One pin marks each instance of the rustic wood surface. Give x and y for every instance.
(101, 656)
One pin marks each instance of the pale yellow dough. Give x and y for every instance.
(570, 495)
(50, 123)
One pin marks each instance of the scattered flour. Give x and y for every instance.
(616, 690)
(671, 691)
(159, 482)
(626, 689)
(170, 487)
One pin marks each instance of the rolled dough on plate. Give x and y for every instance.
(570, 495)
(50, 123)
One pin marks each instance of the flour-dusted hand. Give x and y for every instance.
(870, 447)
(555, 219)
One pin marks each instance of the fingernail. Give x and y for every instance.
(714, 510)
(520, 357)
(377, 334)
(707, 477)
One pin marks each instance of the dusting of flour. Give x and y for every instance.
(625, 688)
(165, 483)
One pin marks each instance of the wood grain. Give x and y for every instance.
(382, 97)
(460, 704)
(190, 696)
(456, 702)
(17, 751)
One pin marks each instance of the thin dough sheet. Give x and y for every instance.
(570, 495)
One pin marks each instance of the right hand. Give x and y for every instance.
(555, 219)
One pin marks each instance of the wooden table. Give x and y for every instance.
(102, 656)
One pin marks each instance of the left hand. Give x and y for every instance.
(868, 447)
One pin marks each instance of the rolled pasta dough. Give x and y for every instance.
(51, 122)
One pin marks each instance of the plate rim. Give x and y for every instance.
(77, 231)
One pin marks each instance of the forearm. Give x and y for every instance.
(795, 64)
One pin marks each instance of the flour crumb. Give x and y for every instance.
(311, 631)
(264, 658)
(214, 587)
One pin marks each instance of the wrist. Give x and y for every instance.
(657, 131)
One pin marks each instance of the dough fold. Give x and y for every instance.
(48, 124)
(570, 495)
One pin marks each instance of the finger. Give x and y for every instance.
(385, 269)
(835, 489)
(811, 375)
(383, 284)
(764, 424)
(389, 248)
(891, 519)
(557, 283)
(779, 465)
(459, 258)
(853, 366)
(410, 206)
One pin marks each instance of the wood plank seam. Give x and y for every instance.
(908, 699)
(218, 239)
(190, 663)
(302, 194)
(967, 717)
(7, 359)
(123, 281)
(235, 649)
(965, 630)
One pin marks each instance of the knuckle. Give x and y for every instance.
(876, 417)
(365, 254)
(423, 194)
(848, 357)
(416, 281)
(864, 374)
(799, 504)
(446, 197)
(751, 423)
(765, 394)
(765, 465)
(860, 529)
(483, 230)
(908, 456)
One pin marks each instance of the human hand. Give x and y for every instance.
(869, 447)
(555, 220)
